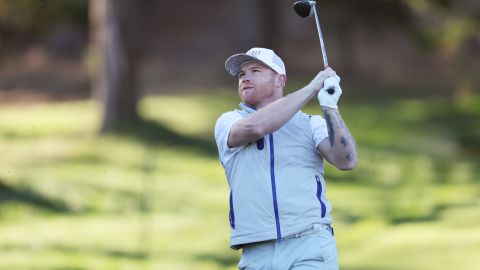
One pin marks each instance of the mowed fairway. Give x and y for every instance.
(156, 197)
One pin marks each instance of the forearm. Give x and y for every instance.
(269, 118)
(276, 114)
(342, 144)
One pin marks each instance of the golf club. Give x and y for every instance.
(305, 9)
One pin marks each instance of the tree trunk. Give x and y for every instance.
(270, 19)
(116, 87)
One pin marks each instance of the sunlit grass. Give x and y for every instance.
(37, 120)
(74, 200)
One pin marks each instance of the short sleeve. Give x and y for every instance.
(319, 129)
(222, 130)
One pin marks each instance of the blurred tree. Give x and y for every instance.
(23, 21)
(447, 30)
(117, 37)
(270, 21)
(451, 29)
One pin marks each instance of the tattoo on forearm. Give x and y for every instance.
(339, 119)
(343, 141)
(331, 133)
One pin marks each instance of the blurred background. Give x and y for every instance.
(107, 109)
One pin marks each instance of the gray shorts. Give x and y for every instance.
(314, 248)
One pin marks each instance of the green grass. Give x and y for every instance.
(157, 198)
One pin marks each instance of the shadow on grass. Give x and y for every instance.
(369, 268)
(25, 195)
(430, 217)
(221, 260)
(155, 134)
(434, 215)
(132, 255)
(113, 253)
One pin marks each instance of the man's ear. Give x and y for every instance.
(281, 80)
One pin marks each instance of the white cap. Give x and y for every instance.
(260, 55)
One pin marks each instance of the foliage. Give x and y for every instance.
(24, 21)
(72, 200)
(446, 24)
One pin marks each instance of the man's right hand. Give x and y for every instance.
(317, 83)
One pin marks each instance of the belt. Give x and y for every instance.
(315, 228)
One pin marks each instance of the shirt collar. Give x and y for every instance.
(247, 108)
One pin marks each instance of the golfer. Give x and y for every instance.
(273, 155)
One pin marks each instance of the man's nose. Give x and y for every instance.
(245, 78)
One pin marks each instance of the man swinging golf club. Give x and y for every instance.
(273, 155)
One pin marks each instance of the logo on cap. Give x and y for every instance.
(255, 53)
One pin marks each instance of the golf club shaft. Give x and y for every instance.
(324, 53)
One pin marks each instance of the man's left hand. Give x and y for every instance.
(330, 100)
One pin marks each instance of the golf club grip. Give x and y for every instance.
(331, 89)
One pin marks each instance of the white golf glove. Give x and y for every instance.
(330, 100)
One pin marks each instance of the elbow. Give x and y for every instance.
(245, 134)
(348, 166)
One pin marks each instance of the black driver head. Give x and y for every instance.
(304, 8)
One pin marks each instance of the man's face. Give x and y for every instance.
(256, 84)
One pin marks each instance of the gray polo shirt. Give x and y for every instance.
(277, 187)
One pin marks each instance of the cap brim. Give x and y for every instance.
(235, 62)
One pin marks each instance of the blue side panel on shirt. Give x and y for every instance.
(274, 189)
(231, 214)
(319, 196)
